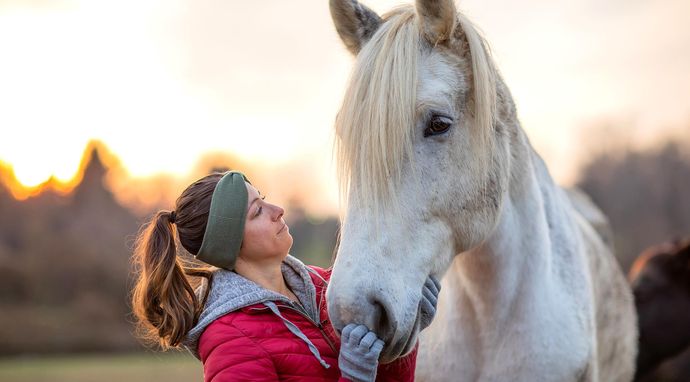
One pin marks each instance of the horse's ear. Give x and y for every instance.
(437, 18)
(354, 22)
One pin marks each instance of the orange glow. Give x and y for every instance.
(21, 191)
(182, 80)
(143, 194)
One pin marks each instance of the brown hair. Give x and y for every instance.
(163, 299)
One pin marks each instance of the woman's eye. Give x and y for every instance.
(258, 210)
(438, 125)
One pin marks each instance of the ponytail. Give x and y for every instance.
(163, 300)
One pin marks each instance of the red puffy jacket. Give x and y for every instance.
(254, 344)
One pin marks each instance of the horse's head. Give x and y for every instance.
(660, 278)
(422, 151)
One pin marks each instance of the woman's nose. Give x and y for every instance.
(278, 212)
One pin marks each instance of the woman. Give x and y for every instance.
(261, 316)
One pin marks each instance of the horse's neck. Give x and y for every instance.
(516, 263)
(515, 307)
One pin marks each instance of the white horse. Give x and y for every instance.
(439, 178)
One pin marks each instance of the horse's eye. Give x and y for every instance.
(437, 125)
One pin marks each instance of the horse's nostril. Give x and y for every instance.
(382, 322)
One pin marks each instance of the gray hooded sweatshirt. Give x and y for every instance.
(230, 292)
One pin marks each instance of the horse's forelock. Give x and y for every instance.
(375, 124)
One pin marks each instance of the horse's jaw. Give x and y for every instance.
(399, 339)
(403, 345)
(377, 279)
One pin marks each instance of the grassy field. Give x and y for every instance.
(103, 368)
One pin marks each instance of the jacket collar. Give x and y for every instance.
(230, 292)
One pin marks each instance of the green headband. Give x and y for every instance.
(225, 225)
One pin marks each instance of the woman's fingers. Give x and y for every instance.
(357, 334)
(345, 334)
(368, 340)
(430, 297)
(377, 347)
(433, 285)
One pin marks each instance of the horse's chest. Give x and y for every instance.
(555, 353)
(536, 359)
(553, 345)
(535, 345)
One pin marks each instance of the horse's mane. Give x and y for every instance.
(375, 124)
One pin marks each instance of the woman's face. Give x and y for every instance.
(266, 236)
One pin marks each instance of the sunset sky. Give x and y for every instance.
(161, 82)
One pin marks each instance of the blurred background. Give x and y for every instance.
(109, 109)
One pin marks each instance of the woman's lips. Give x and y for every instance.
(282, 229)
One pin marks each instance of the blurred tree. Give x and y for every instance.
(63, 269)
(313, 240)
(65, 261)
(646, 195)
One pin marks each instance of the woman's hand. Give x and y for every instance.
(427, 306)
(359, 353)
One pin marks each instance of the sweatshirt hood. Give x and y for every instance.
(230, 292)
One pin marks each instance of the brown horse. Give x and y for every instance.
(660, 278)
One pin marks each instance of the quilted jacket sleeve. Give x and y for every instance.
(229, 355)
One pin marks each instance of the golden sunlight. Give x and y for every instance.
(27, 181)
(162, 83)
(37, 165)
(119, 85)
